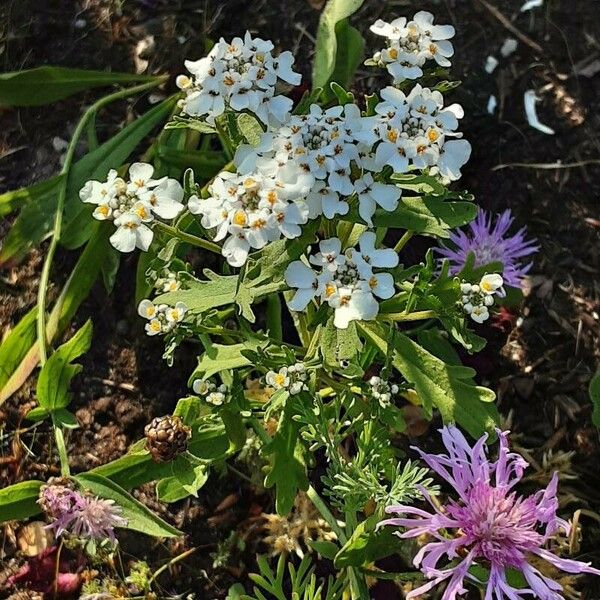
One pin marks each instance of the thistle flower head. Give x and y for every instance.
(490, 241)
(492, 526)
(80, 514)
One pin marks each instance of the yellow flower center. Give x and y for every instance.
(240, 218)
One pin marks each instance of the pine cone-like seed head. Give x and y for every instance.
(166, 438)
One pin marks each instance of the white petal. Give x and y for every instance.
(530, 99)
(144, 237)
(301, 299)
(298, 275)
(123, 239)
(140, 171)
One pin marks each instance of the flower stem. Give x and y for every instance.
(274, 317)
(187, 237)
(61, 448)
(418, 315)
(403, 240)
(62, 194)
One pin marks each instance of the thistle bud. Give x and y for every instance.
(166, 438)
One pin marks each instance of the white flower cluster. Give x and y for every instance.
(239, 75)
(477, 298)
(212, 393)
(382, 391)
(253, 209)
(168, 282)
(333, 146)
(414, 129)
(161, 317)
(411, 44)
(346, 281)
(132, 205)
(292, 378)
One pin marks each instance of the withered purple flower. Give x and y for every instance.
(489, 525)
(82, 515)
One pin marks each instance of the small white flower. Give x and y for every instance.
(384, 258)
(372, 193)
(176, 313)
(479, 314)
(201, 387)
(140, 175)
(278, 380)
(154, 327)
(303, 278)
(147, 309)
(353, 305)
(165, 199)
(329, 255)
(491, 283)
(131, 233)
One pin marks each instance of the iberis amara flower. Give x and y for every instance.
(239, 75)
(490, 241)
(80, 514)
(346, 280)
(489, 525)
(132, 205)
(410, 44)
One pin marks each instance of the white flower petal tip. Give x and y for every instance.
(491, 62)
(530, 4)
(529, 100)
(492, 105)
(508, 47)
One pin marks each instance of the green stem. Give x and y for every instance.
(403, 240)
(65, 471)
(62, 194)
(187, 237)
(418, 315)
(274, 317)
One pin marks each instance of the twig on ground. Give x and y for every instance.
(508, 25)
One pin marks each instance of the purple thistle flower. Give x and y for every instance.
(82, 515)
(490, 242)
(493, 526)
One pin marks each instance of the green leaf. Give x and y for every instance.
(201, 296)
(38, 192)
(350, 51)
(188, 409)
(139, 517)
(595, 398)
(329, 52)
(187, 479)
(219, 358)
(19, 501)
(288, 469)
(16, 344)
(250, 128)
(325, 549)
(134, 469)
(427, 215)
(35, 221)
(44, 85)
(366, 544)
(339, 346)
(24, 360)
(38, 414)
(447, 387)
(55, 376)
